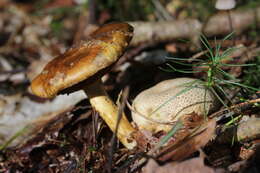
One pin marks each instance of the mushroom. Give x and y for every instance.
(157, 108)
(82, 67)
(226, 5)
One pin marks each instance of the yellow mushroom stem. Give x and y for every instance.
(106, 108)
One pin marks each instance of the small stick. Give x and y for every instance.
(238, 108)
(113, 140)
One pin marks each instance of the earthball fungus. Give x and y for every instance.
(82, 66)
(157, 108)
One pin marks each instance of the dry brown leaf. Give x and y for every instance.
(195, 165)
(191, 144)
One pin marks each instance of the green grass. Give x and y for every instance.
(176, 127)
(216, 79)
(15, 136)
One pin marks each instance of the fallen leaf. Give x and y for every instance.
(195, 165)
(184, 148)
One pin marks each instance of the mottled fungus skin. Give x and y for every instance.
(193, 97)
(82, 66)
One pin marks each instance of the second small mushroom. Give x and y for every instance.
(156, 108)
(226, 5)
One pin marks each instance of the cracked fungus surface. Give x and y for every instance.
(169, 100)
(103, 48)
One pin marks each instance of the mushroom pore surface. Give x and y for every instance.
(169, 100)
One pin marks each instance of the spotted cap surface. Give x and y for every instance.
(88, 60)
(169, 100)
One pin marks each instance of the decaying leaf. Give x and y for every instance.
(195, 165)
(184, 148)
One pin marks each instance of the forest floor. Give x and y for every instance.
(65, 134)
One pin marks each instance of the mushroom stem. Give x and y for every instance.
(231, 25)
(109, 113)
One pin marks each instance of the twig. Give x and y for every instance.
(14, 71)
(119, 116)
(161, 10)
(94, 127)
(130, 161)
(197, 55)
(238, 108)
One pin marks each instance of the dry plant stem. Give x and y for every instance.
(238, 108)
(121, 107)
(109, 112)
(231, 25)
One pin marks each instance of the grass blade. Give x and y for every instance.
(173, 131)
(239, 84)
(173, 97)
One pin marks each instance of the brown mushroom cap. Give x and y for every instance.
(89, 59)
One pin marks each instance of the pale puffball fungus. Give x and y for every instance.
(169, 100)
